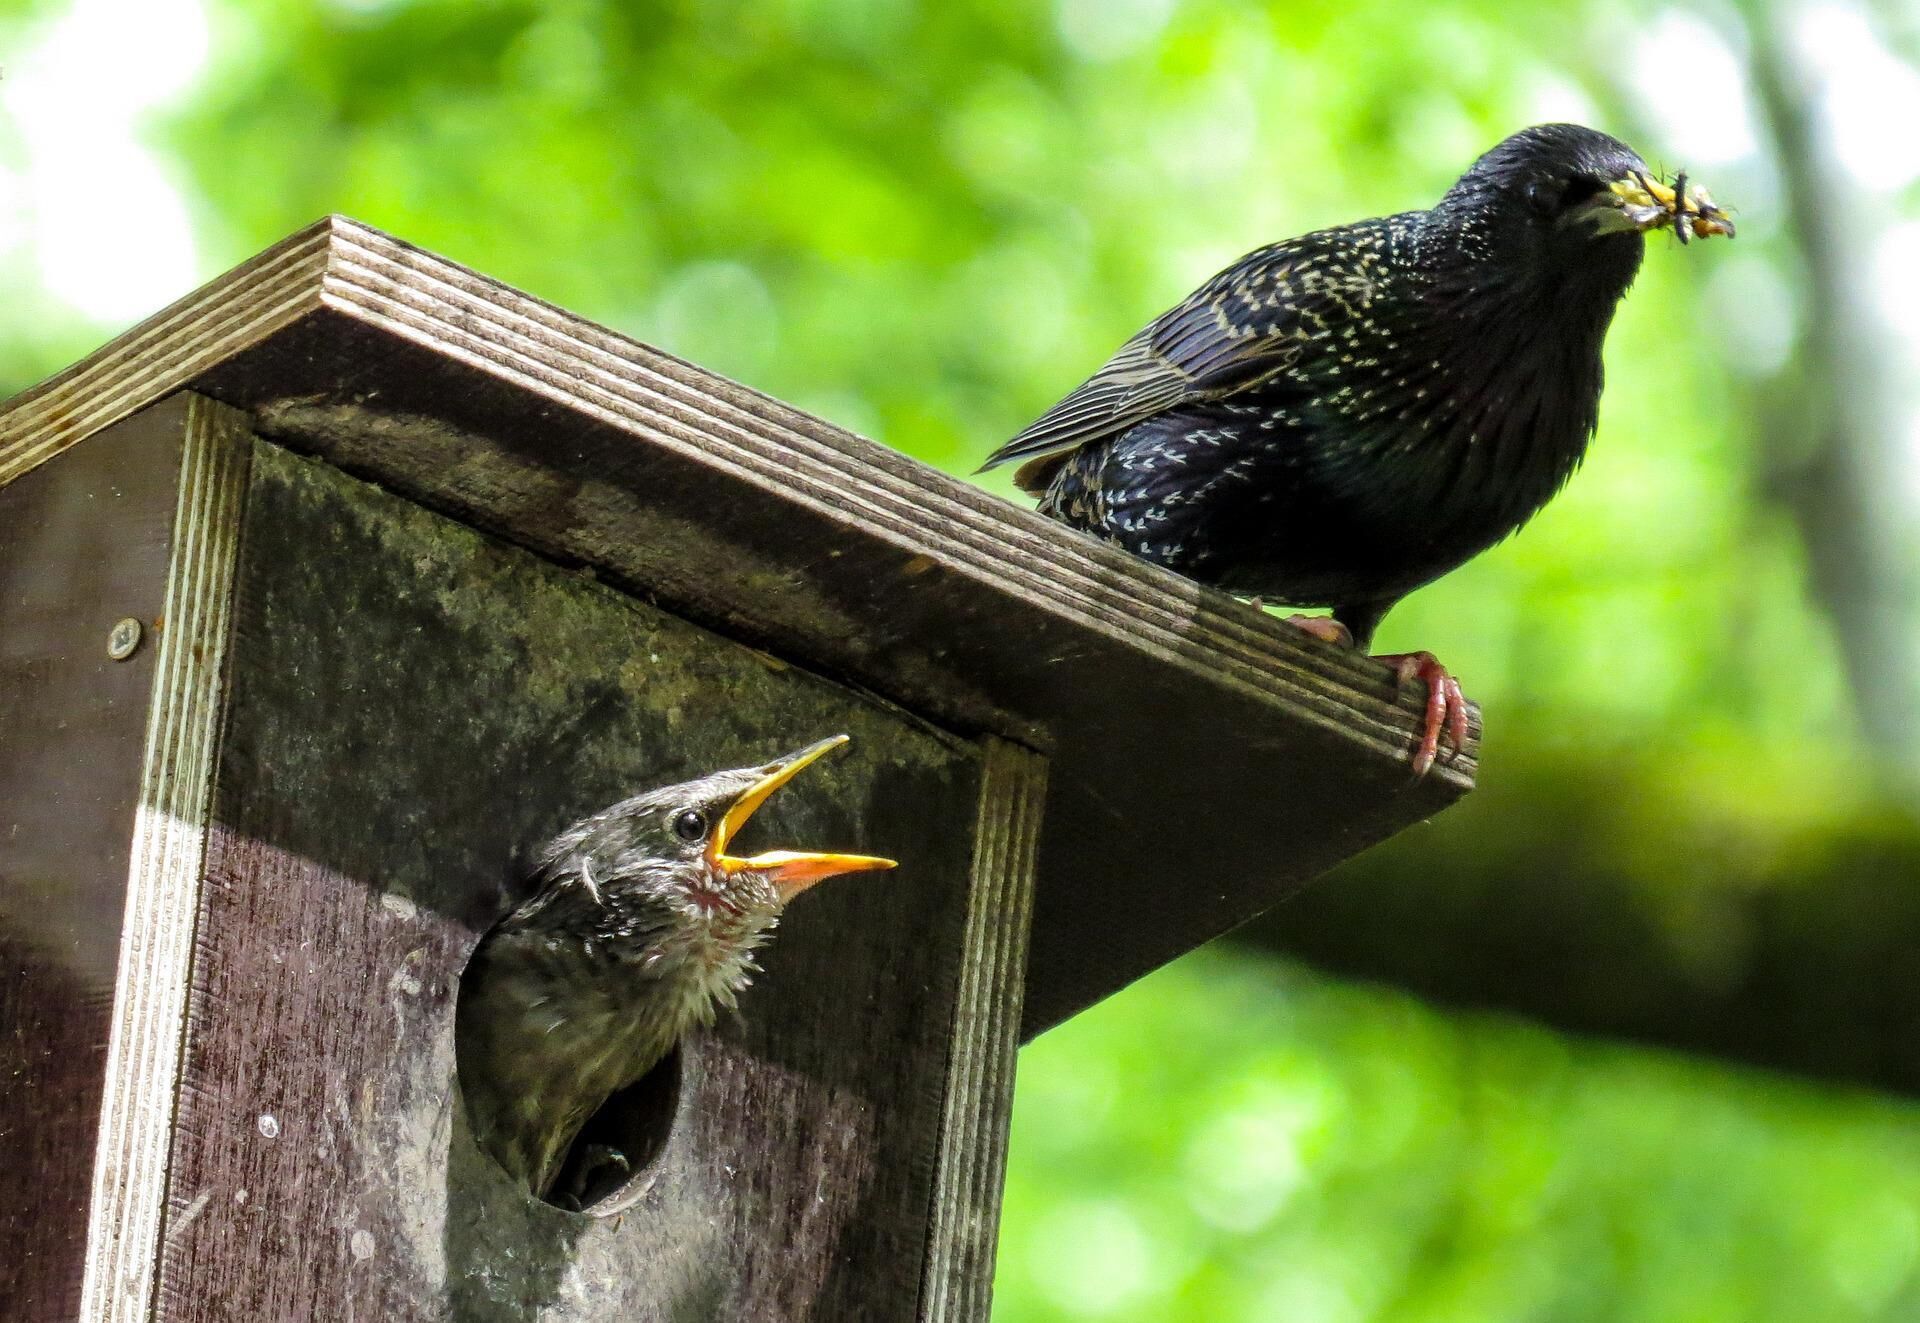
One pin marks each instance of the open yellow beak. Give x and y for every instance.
(1646, 203)
(790, 870)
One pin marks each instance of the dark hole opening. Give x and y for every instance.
(609, 1166)
(608, 1169)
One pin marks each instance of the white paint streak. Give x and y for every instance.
(189, 1213)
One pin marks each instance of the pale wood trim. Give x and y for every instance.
(958, 1287)
(164, 353)
(165, 877)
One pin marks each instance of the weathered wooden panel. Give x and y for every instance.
(986, 1036)
(164, 872)
(83, 543)
(412, 705)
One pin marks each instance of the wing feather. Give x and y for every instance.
(1235, 330)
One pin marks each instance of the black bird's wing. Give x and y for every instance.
(1235, 331)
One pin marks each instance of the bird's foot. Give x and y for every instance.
(593, 1172)
(1446, 705)
(1325, 628)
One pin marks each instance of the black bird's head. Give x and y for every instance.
(1559, 203)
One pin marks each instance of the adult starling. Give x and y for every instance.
(642, 926)
(1340, 418)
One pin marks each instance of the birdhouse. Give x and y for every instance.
(337, 587)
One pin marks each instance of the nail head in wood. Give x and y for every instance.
(123, 640)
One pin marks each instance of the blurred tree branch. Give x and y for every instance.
(1830, 431)
(1607, 898)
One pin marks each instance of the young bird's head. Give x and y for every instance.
(654, 879)
(644, 921)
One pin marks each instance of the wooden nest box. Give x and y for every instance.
(334, 588)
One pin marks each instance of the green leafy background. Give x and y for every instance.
(925, 221)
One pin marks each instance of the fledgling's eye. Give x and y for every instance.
(690, 825)
(1543, 195)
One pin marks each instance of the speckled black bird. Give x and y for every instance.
(642, 926)
(1340, 418)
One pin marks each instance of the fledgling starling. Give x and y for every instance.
(1340, 418)
(643, 925)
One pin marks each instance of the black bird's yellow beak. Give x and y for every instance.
(1638, 203)
(791, 871)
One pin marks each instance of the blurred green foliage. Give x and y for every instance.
(1233, 1140)
(926, 221)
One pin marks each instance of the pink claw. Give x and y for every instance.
(1446, 705)
(1325, 628)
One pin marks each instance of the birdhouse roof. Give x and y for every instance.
(1205, 757)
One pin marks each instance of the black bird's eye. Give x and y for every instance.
(1550, 197)
(1579, 189)
(690, 825)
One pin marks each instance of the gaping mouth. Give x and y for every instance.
(1640, 203)
(792, 871)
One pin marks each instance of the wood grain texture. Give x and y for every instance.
(414, 707)
(985, 1039)
(164, 872)
(83, 543)
(163, 353)
(1158, 701)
